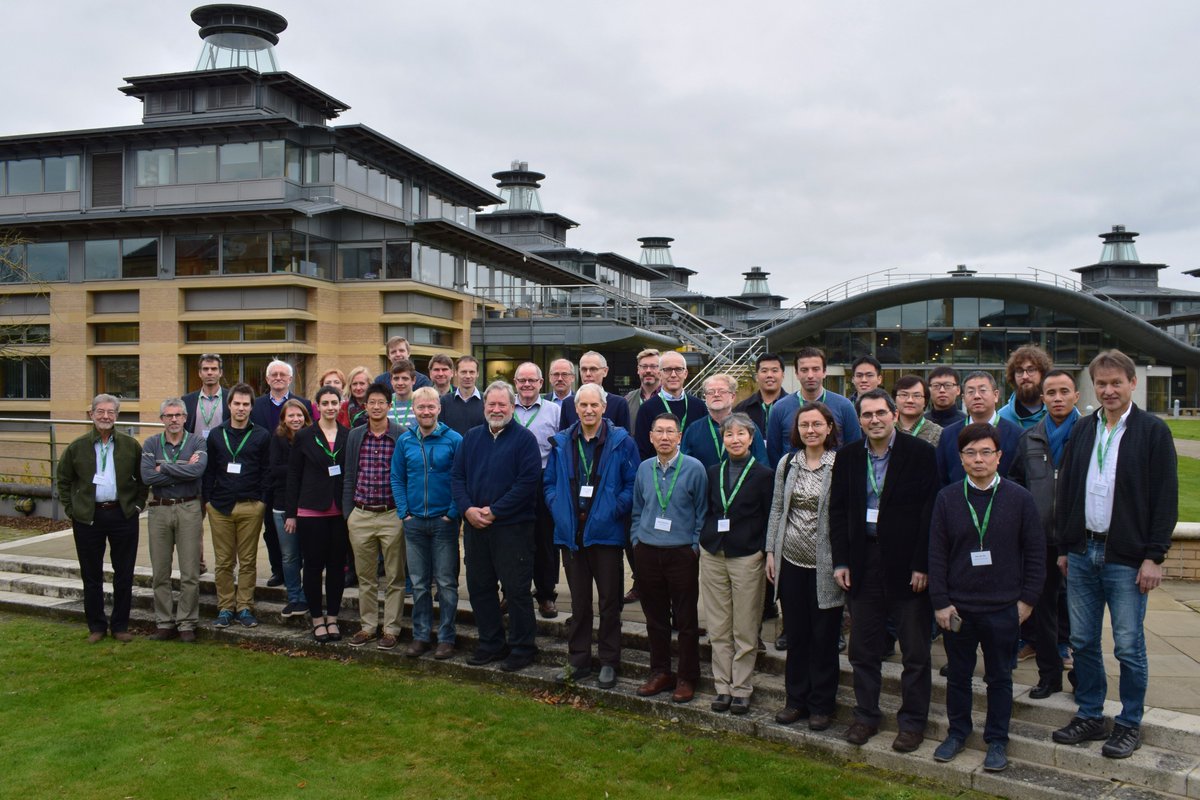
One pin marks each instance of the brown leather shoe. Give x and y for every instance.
(96, 636)
(417, 649)
(187, 637)
(632, 596)
(362, 637)
(547, 609)
(444, 650)
(657, 684)
(164, 634)
(819, 722)
(125, 637)
(860, 733)
(907, 741)
(387, 642)
(789, 715)
(684, 692)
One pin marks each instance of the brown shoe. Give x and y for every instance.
(417, 649)
(907, 741)
(164, 634)
(187, 637)
(387, 642)
(860, 733)
(789, 715)
(684, 692)
(96, 636)
(1025, 653)
(632, 596)
(125, 637)
(444, 650)
(362, 637)
(547, 609)
(657, 684)
(819, 722)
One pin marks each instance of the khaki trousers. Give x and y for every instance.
(235, 541)
(372, 533)
(178, 528)
(732, 592)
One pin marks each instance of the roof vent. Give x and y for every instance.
(238, 36)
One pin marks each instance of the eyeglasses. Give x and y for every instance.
(943, 387)
(976, 391)
(717, 392)
(103, 412)
(812, 426)
(172, 416)
(875, 414)
(664, 432)
(673, 370)
(973, 454)
(910, 396)
(528, 380)
(1026, 371)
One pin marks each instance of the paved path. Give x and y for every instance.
(1187, 447)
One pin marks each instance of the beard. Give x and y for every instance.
(1029, 395)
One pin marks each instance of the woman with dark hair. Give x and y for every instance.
(800, 564)
(293, 417)
(315, 474)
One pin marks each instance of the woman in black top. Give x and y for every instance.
(315, 474)
(731, 563)
(293, 417)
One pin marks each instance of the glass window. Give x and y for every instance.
(25, 378)
(273, 159)
(991, 347)
(1066, 348)
(102, 260)
(395, 192)
(912, 315)
(887, 317)
(360, 263)
(1041, 317)
(245, 253)
(399, 260)
(966, 346)
(265, 331)
(214, 332)
(287, 250)
(117, 333)
(25, 334)
(197, 164)
(939, 347)
(966, 312)
(239, 162)
(25, 176)
(318, 166)
(1089, 346)
(433, 208)
(414, 203)
(117, 375)
(291, 165)
(356, 175)
(377, 184)
(991, 313)
(62, 174)
(837, 346)
(913, 346)
(940, 313)
(139, 258)
(887, 346)
(320, 258)
(197, 255)
(1016, 313)
(156, 167)
(47, 261)
(3, 189)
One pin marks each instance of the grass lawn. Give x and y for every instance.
(1189, 489)
(1184, 428)
(167, 720)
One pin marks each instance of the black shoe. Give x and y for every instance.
(515, 663)
(721, 703)
(781, 642)
(770, 612)
(1123, 741)
(1044, 689)
(275, 580)
(1081, 730)
(944, 670)
(841, 642)
(740, 705)
(481, 657)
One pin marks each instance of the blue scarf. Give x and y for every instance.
(1058, 435)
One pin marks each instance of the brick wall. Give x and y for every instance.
(1183, 559)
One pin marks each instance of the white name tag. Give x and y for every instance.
(586, 491)
(334, 471)
(662, 524)
(981, 558)
(204, 432)
(1098, 489)
(100, 478)
(234, 468)
(722, 526)
(872, 515)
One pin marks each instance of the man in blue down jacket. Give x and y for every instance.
(588, 485)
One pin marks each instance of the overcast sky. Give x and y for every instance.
(820, 140)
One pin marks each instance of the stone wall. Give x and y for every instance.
(1183, 559)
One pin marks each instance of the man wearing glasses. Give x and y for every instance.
(562, 382)
(1026, 368)
(671, 399)
(541, 418)
(173, 464)
(910, 397)
(943, 397)
(982, 396)
(101, 489)
(649, 383)
(593, 368)
(703, 441)
(866, 373)
(881, 497)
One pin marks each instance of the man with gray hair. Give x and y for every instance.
(265, 414)
(102, 493)
(496, 474)
(702, 441)
(593, 368)
(671, 399)
(173, 465)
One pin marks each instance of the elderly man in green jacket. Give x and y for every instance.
(100, 487)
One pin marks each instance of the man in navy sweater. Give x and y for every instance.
(982, 395)
(671, 399)
(496, 476)
(986, 566)
(810, 370)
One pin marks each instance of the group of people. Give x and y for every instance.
(914, 517)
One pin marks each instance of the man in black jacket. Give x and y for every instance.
(1118, 503)
(208, 406)
(880, 501)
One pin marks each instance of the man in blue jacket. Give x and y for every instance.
(1026, 369)
(981, 395)
(810, 371)
(702, 441)
(588, 486)
(494, 482)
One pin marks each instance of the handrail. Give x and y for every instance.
(131, 423)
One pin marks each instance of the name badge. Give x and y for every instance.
(872, 515)
(722, 526)
(100, 478)
(662, 524)
(204, 432)
(1098, 489)
(981, 558)
(586, 491)
(334, 471)
(234, 468)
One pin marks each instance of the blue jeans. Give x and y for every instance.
(432, 547)
(289, 547)
(1091, 584)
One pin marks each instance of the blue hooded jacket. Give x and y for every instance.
(612, 499)
(421, 473)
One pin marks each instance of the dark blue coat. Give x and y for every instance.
(616, 470)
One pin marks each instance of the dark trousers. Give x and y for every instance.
(669, 583)
(629, 556)
(871, 604)
(601, 564)
(271, 538)
(811, 675)
(109, 527)
(996, 632)
(323, 543)
(1045, 623)
(504, 554)
(545, 554)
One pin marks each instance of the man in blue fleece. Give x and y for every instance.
(810, 371)
(670, 498)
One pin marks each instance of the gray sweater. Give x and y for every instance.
(829, 594)
(686, 507)
(175, 477)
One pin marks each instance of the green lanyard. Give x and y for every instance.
(726, 503)
(717, 445)
(1103, 444)
(233, 454)
(354, 419)
(166, 455)
(587, 468)
(396, 413)
(658, 485)
(529, 421)
(666, 405)
(212, 408)
(916, 428)
(987, 515)
(871, 475)
(995, 420)
(332, 454)
(104, 455)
